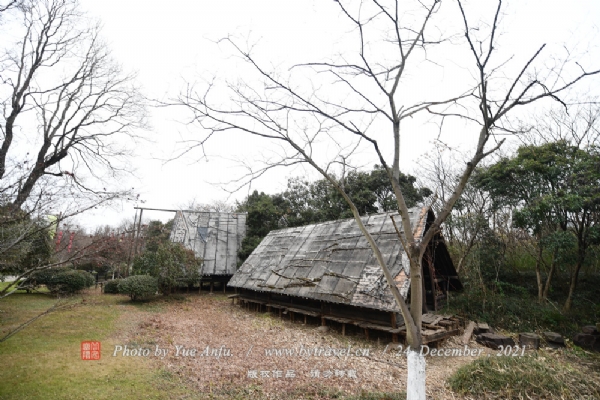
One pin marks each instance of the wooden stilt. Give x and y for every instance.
(343, 329)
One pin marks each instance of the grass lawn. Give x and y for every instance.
(43, 360)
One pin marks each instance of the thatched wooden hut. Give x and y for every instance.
(215, 237)
(328, 270)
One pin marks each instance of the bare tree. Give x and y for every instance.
(7, 5)
(577, 124)
(68, 111)
(370, 110)
(219, 206)
(471, 215)
(62, 75)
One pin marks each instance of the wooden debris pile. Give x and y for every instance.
(436, 328)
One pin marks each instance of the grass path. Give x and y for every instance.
(43, 360)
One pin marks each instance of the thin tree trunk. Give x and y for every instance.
(8, 137)
(550, 274)
(538, 272)
(416, 296)
(573, 284)
(460, 263)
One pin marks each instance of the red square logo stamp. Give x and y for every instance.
(90, 350)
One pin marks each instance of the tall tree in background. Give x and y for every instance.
(68, 111)
(372, 103)
(555, 189)
(61, 75)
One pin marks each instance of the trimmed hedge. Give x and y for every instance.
(44, 276)
(64, 281)
(139, 287)
(112, 286)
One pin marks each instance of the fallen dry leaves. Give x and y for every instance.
(236, 356)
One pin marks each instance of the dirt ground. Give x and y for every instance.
(231, 350)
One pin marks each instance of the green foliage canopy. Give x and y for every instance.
(172, 264)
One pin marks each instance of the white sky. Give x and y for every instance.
(167, 42)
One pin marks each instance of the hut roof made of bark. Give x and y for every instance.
(215, 237)
(332, 261)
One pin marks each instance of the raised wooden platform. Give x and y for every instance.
(435, 328)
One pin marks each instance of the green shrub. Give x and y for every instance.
(44, 277)
(69, 281)
(522, 377)
(173, 265)
(138, 287)
(112, 286)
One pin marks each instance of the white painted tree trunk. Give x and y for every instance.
(415, 382)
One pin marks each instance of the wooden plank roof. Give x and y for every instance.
(332, 261)
(213, 236)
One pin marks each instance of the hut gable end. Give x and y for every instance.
(213, 236)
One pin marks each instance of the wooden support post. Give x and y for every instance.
(304, 319)
(394, 338)
(212, 286)
(432, 282)
(366, 333)
(268, 308)
(224, 287)
(343, 329)
(468, 333)
(139, 227)
(323, 321)
(424, 307)
(280, 313)
(393, 315)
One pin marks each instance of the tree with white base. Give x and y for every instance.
(359, 102)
